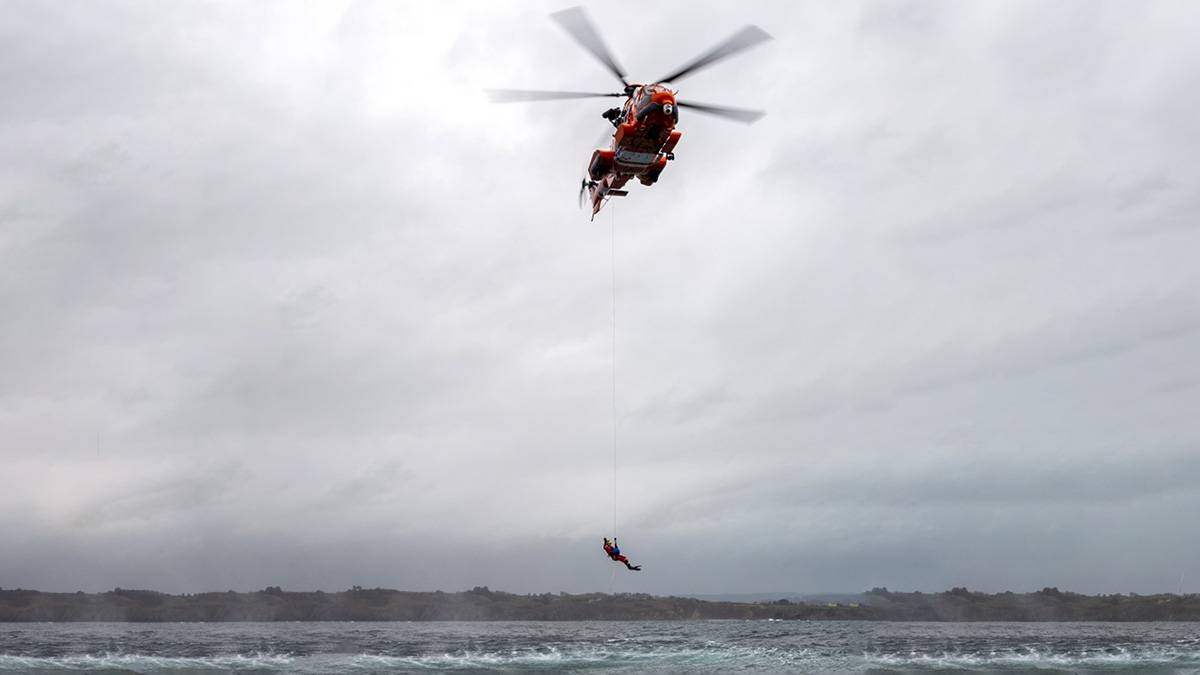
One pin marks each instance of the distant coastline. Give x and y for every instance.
(483, 604)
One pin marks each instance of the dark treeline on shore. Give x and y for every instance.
(482, 604)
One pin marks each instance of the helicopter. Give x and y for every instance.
(645, 136)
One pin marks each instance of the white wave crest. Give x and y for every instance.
(145, 663)
(1032, 658)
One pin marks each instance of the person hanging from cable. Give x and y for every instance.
(614, 552)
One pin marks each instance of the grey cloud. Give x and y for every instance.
(285, 301)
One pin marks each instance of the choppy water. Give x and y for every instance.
(712, 646)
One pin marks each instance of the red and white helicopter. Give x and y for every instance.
(645, 136)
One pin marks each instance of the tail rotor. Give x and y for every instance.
(584, 186)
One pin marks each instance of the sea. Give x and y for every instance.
(600, 647)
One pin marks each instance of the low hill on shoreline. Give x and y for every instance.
(483, 604)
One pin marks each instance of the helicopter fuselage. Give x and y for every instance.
(643, 143)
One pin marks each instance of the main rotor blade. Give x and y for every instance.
(517, 95)
(737, 114)
(745, 38)
(576, 22)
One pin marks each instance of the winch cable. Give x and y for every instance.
(612, 219)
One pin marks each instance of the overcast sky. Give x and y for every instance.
(286, 301)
